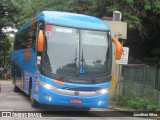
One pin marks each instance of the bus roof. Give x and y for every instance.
(70, 20)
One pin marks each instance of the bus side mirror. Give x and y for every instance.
(118, 48)
(40, 42)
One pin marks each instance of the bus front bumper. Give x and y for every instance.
(48, 96)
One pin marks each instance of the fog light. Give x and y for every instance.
(48, 97)
(101, 102)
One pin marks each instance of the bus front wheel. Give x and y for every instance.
(85, 109)
(34, 103)
(15, 88)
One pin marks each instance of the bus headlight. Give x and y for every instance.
(47, 86)
(103, 91)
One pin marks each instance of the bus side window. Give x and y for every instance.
(34, 37)
(24, 43)
(16, 42)
(32, 33)
(20, 41)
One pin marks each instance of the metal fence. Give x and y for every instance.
(142, 81)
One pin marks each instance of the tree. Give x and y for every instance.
(89, 7)
(8, 10)
(143, 19)
(31, 8)
(5, 54)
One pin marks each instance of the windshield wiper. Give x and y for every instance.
(77, 64)
(82, 68)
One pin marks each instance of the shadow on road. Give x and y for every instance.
(60, 111)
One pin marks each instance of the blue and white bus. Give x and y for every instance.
(62, 58)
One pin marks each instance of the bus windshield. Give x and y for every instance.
(71, 52)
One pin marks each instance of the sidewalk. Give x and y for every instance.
(9, 81)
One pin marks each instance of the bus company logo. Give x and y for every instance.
(78, 81)
(20, 114)
(88, 37)
(76, 93)
(6, 114)
(64, 30)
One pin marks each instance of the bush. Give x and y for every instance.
(136, 102)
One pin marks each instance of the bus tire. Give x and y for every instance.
(16, 89)
(34, 103)
(85, 108)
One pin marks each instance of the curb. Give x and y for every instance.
(118, 109)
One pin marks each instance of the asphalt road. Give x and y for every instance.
(18, 105)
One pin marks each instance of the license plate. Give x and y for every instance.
(76, 101)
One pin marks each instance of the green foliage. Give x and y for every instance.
(155, 60)
(130, 2)
(90, 7)
(132, 20)
(111, 9)
(158, 109)
(5, 54)
(147, 7)
(132, 10)
(135, 102)
(30, 8)
(157, 7)
(151, 107)
(8, 10)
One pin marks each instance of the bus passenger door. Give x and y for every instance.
(16, 75)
